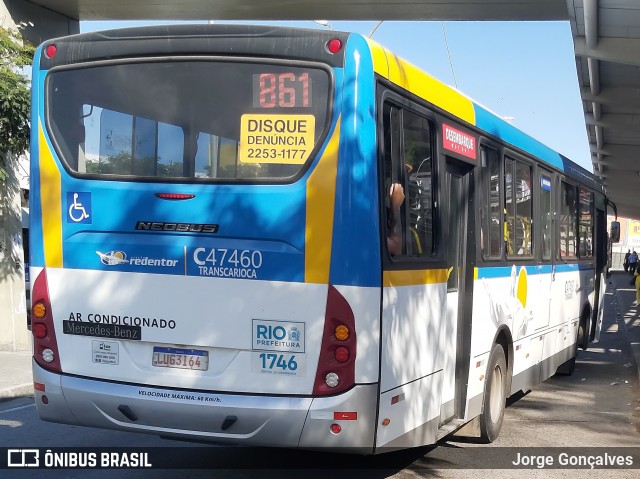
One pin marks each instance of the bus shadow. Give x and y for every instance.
(279, 463)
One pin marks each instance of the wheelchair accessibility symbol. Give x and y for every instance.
(79, 207)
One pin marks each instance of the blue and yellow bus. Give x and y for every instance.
(209, 220)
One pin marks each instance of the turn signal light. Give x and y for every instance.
(342, 332)
(39, 310)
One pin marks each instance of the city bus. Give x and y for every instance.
(210, 213)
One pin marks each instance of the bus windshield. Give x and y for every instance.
(187, 119)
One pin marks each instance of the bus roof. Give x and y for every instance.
(411, 78)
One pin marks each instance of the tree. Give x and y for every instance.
(15, 96)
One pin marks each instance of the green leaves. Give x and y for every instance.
(15, 94)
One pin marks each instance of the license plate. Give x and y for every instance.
(180, 358)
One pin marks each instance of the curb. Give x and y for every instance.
(19, 390)
(16, 377)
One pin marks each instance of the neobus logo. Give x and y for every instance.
(177, 227)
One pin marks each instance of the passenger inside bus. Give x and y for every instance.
(394, 237)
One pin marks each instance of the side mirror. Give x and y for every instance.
(615, 232)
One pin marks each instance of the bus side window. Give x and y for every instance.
(585, 223)
(492, 225)
(418, 164)
(518, 208)
(408, 161)
(509, 218)
(546, 215)
(568, 221)
(391, 158)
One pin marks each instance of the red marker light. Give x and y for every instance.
(175, 196)
(345, 416)
(335, 429)
(342, 354)
(50, 51)
(39, 330)
(334, 45)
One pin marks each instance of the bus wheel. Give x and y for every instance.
(567, 368)
(495, 396)
(583, 334)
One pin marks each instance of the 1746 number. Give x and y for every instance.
(273, 361)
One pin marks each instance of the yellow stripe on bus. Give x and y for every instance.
(414, 80)
(414, 277)
(321, 194)
(50, 197)
(379, 58)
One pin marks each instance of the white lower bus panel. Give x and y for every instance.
(249, 419)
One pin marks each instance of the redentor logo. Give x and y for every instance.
(458, 141)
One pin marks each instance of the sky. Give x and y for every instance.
(523, 71)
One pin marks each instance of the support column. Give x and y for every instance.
(14, 335)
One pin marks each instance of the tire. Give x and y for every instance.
(495, 396)
(582, 340)
(568, 367)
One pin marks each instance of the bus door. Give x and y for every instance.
(601, 251)
(564, 277)
(413, 287)
(545, 264)
(455, 336)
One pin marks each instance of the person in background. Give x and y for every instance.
(636, 277)
(626, 261)
(633, 261)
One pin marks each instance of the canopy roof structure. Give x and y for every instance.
(606, 37)
(308, 9)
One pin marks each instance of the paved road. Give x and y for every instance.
(598, 406)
